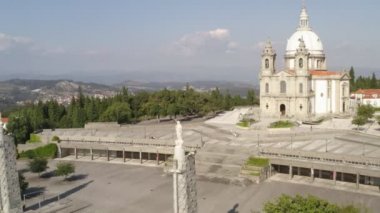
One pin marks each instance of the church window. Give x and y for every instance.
(300, 63)
(266, 88)
(344, 88)
(266, 63)
(301, 88)
(282, 87)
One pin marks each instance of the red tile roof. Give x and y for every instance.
(368, 93)
(4, 120)
(323, 72)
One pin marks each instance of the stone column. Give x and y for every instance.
(270, 170)
(357, 180)
(290, 172)
(312, 174)
(298, 171)
(334, 177)
(158, 158)
(10, 200)
(319, 173)
(76, 153)
(148, 155)
(123, 155)
(59, 151)
(140, 156)
(108, 155)
(184, 178)
(92, 154)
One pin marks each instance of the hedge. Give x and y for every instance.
(47, 151)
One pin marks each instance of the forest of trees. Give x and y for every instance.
(361, 82)
(122, 108)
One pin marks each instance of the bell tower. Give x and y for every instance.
(268, 59)
(301, 64)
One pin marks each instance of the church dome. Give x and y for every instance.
(312, 42)
(311, 39)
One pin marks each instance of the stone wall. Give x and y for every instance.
(9, 182)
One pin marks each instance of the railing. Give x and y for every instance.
(130, 142)
(323, 157)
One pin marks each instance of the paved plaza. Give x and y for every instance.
(103, 187)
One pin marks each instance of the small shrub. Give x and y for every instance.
(64, 169)
(246, 122)
(47, 151)
(38, 165)
(286, 203)
(55, 138)
(281, 124)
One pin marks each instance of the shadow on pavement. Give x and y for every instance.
(234, 209)
(58, 197)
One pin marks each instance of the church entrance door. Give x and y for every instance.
(282, 109)
(344, 107)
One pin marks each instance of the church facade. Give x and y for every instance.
(305, 88)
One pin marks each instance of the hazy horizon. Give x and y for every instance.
(111, 42)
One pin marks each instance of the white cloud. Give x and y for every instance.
(8, 41)
(218, 40)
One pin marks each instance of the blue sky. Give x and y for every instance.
(176, 40)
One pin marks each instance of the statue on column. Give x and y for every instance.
(184, 177)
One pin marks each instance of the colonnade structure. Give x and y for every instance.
(331, 166)
(117, 149)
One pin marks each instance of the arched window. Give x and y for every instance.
(282, 87)
(301, 88)
(300, 63)
(266, 88)
(266, 63)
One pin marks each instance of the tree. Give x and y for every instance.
(373, 83)
(64, 169)
(251, 97)
(298, 203)
(366, 111)
(38, 165)
(120, 112)
(23, 184)
(359, 121)
(352, 80)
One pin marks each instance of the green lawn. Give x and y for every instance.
(34, 138)
(259, 162)
(281, 124)
(47, 151)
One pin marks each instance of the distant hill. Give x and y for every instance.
(235, 88)
(22, 91)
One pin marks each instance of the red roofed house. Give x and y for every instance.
(4, 121)
(304, 88)
(366, 96)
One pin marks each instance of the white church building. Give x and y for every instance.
(305, 88)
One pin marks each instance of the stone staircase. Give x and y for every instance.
(218, 161)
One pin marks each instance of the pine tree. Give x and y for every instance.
(373, 83)
(352, 80)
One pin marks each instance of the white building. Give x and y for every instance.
(305, 88)
(366, 97)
